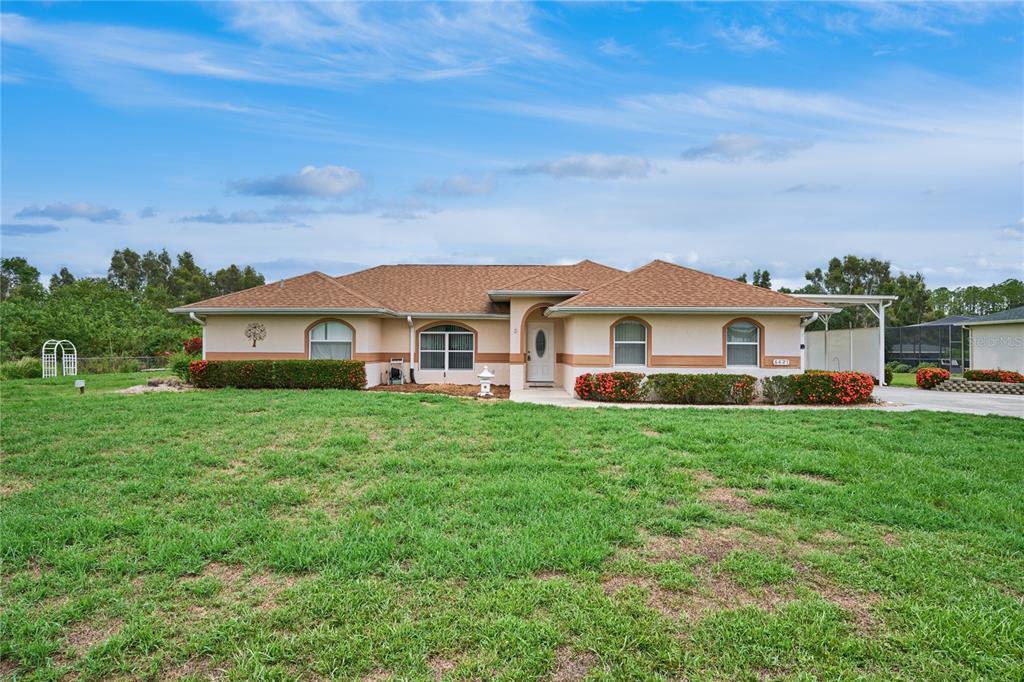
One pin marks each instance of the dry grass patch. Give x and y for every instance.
(260, 588)
(81, 637)
(550, 575)
(730, 499)
(439, 666)
(197, 666)
(572, 665)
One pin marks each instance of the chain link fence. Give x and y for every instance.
(108, 364)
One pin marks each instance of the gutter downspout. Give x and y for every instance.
(201, 323)
(412, 349)
(803, 339)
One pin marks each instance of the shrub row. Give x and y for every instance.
(813, 388)
(619, 387)
(930, 377)
(702, 389)
(832, 388)
(1001, 376)
(350, 374)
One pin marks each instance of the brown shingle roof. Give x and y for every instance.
(666, 285)
(461, 288)
(542, 281)
(314, 290)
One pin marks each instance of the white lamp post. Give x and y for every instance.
(485, 382)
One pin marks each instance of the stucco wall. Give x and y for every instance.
(998, 346)
(286, 335)
(677, 343)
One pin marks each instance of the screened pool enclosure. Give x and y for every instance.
(942, 342)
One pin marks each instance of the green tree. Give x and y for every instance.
(763, 279)
(125, 271)
(189, 282)
(913, 305)
(18, 278)
(742, 278)
(61, 279)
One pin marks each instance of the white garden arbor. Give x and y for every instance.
(68, 358)
(875, 303)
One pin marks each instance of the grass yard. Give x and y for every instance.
(905, 379)
(276, 534)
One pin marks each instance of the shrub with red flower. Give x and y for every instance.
(349, 374)
(1002, 376)
(193, 346)
(930, 377)
(618, 387)
(832, 388)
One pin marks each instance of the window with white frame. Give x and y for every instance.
(742, 341)
(446, 347)
(630, 343)
(330, 341)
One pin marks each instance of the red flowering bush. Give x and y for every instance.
(349, 374)
(930, 377)
(193, 346)
(1001, 376)
(832, 388)
(702, 389)
(617, 387)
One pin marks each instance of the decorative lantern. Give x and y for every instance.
(486, 377)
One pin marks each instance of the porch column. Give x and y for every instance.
(881, 342)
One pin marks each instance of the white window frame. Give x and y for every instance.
(447, 347)
(756, 344)
(616, 343)
(351, 342)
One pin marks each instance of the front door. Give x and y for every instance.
(540, 352)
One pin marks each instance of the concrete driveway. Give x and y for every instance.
(892, 399)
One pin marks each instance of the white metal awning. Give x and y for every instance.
(876, 303)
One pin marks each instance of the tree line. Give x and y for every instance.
(917, 303)
(122, 314)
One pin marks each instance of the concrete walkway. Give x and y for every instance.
(892, 399)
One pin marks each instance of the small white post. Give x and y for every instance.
(881, 342)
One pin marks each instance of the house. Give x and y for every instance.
(533, 325)
(997, 340)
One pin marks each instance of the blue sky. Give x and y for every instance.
(332, 136)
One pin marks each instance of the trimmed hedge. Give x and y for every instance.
(346, 374)
(618, 387)
(1001, 376)
(779, 390)
(702, 389)
(930, 377)
(832, 388)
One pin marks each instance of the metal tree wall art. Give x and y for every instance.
(255, 332)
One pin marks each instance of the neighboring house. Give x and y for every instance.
(531, 324)
(997, 340)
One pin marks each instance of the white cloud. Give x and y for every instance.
(811, 188)
(745, 148)
(745, 38)
(148, 212)
(67, 211)
(234, 218)
(613, 48)
(593, 166)
(458, 185)
(322, 182)
(1013, 232)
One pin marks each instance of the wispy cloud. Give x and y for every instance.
(311, 181)
(26, 230)
(745, 148)
(458, 185)
(592, 166)
(147, 212)
(811, 188)
(234, 218)
(1012, 232)
(613, 48)
(745, 38)
(68, 211)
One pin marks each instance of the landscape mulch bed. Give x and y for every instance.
(461, 390)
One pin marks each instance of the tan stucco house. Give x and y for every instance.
(533, 325)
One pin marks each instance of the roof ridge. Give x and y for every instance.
(535, 275)
(334, 281)
(727, 279)
(604, 284)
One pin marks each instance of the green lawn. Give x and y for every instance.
(276, 534)
(908, 379)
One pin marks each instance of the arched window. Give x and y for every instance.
(742, 342)
(630, 343)
(446, 346)
(330, 341)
